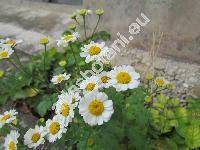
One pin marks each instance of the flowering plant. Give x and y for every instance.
(114, 107)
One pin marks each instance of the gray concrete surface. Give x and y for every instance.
(31, 20)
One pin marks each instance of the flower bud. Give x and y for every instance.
(99, 11)
(149, 76)
(44, 40)
(62, 63)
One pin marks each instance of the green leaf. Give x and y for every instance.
(44, 105)
(191, 133)
(66, 33)
(3, 99)
(102, 35)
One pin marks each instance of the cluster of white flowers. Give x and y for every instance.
(121, 78)
(6, 47)
(94, 106)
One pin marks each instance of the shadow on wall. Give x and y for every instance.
(178, 19)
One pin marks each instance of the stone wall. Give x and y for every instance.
(178, 19)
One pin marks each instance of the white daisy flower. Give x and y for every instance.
(11, 42)
(59, 78)
(89, 84)
(64, 107)
(96, 108)
(55, 128)
(160, 81)
(34, 137)
(11, 140)
(75, 97)
(94, 51)
(104, 78)
(124, 78)
(7, 117)
(68, 38)
(5, 51)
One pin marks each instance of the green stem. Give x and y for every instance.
(10, 61)
(21, 71)
(77, 21)
(96, 25)
(74, 57)
(17, 57)
(45, 49)
(84, 24)
(89, 134)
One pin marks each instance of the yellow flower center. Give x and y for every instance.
(54, 128)
(11, 145)
(10, 42)
(35, 137)
(4, 54)
(59, 78)
(90, 86)
(68, 37)
(65, 109)
(94, 50)
(105, 79)
(5, 117)
(123, 78)
(96, 107)
(159, 82)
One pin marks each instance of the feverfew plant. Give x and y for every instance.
(116, 108)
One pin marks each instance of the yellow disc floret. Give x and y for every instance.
(10, 42)
(94, 50)
(105, 79)
(54, 128)
(90, 86)
(159, 82)
(59, 78)
(5, 117)
(67, 37)
(65, 109)
(96, 107)
(4, 54)
(35, 137)
(11, 145)
(123, 78)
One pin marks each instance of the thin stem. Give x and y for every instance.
(17, 57)
(89, 134)
(84, 24)
(21, 71)
(45, 49)
(74, 57)
(77, 21)
(96, 25)
(16, 66)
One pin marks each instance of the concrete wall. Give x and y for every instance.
(178, 19)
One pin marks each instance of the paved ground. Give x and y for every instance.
(31, 20)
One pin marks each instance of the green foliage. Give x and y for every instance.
(103, 35)
(143, 118)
